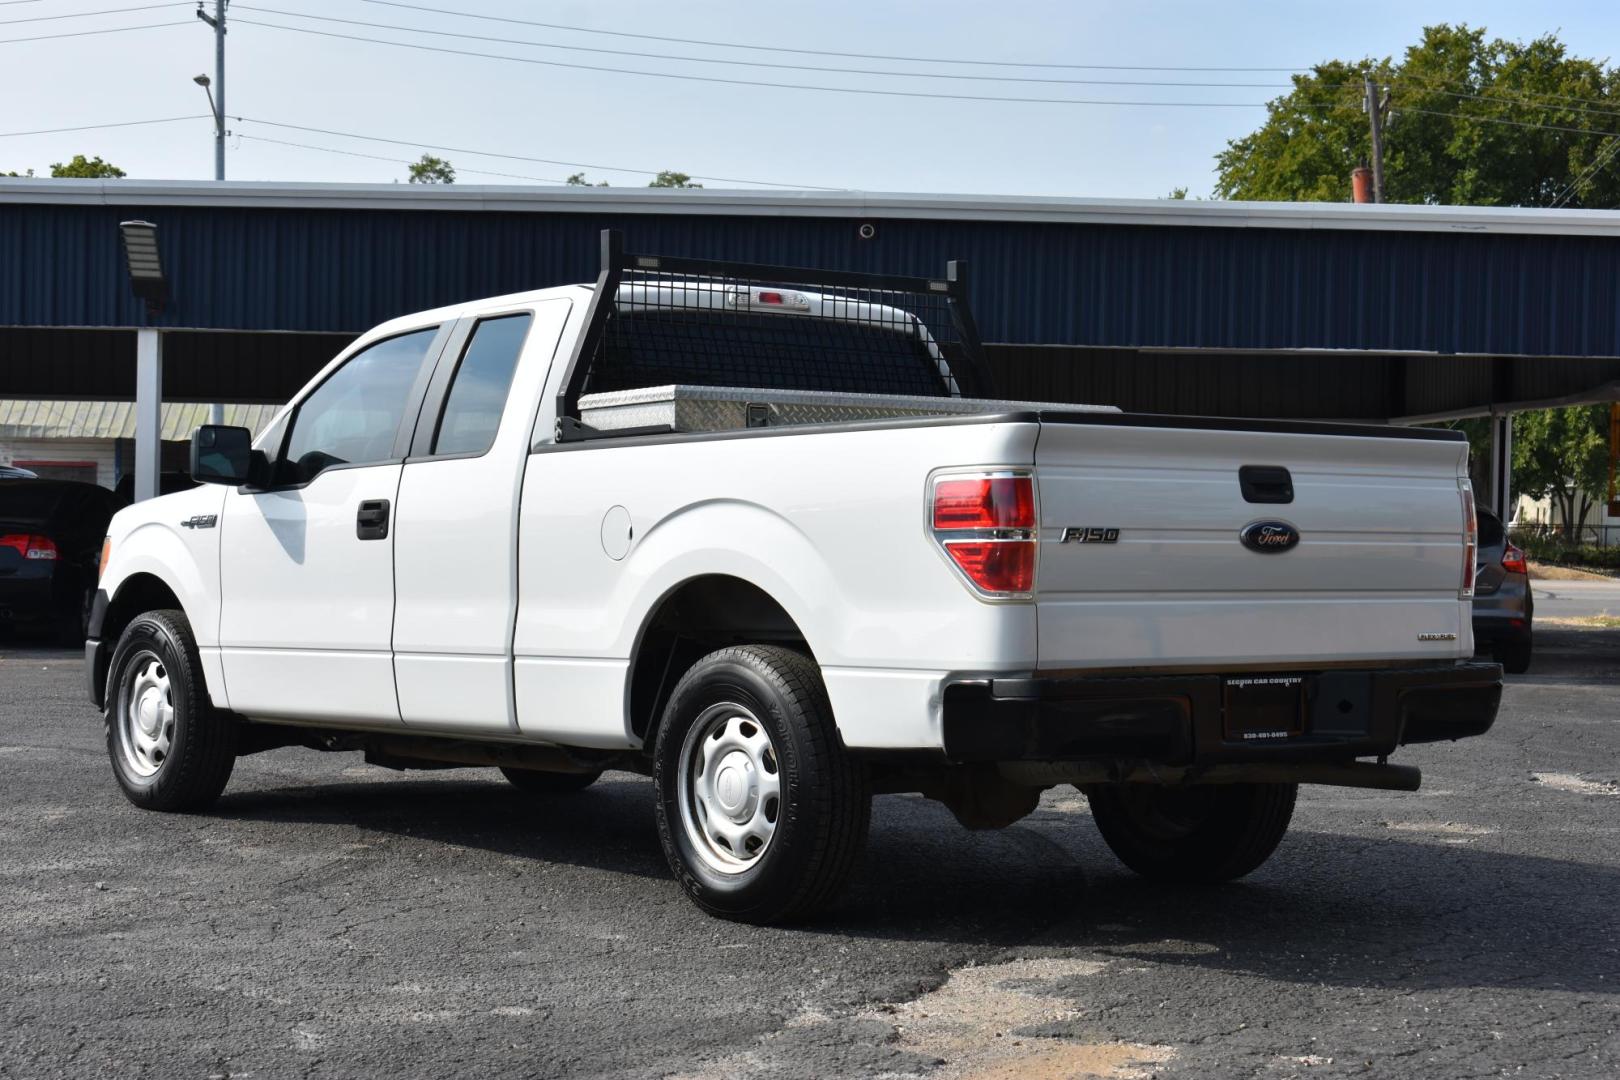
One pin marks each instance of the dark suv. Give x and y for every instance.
(1502, 602)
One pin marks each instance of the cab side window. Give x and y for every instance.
(353, 417)
(477, 397)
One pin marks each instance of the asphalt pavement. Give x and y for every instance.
(1576, 599)
(331, 919)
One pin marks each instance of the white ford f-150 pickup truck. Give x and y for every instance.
(764, 535)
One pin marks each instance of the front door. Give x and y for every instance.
(307, 566)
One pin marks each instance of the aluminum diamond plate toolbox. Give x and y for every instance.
(726, 408)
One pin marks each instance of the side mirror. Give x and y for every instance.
(222, 455)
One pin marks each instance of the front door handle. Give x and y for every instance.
(371, 523)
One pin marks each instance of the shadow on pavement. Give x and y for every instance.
(1329, 908)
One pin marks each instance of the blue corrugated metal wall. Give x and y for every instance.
(1092, 285)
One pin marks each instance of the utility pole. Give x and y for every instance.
(1375, 108)
(216, 411)
(217, 21)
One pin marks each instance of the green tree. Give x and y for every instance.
(1451, 137)
(431, 170)
(30, 172)
(1563, 455)
(82, 168)
(667, 178)
(578, 180)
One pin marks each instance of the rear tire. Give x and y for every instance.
(536, 782)
(1200, 834)
(170, 748)
(1514, 656)
(761, 813)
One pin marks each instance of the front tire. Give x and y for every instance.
(1196, 835)
(761, 813)
(170, 748)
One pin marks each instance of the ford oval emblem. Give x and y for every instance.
(1269, 537)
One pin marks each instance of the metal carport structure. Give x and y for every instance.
(1337, 311)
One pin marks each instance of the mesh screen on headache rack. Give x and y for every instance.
(723, 330)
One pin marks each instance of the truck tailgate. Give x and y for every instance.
(1374, 574)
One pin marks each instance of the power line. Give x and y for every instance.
(88, 14)
(759, 63)
(1424, 81)
(88, 33)
(746, 82)
(818, 52)
(1598, 162)
(395, 161)
(420, 144)
(98, 127)
(1464, 118)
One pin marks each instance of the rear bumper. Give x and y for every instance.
(1205, 720)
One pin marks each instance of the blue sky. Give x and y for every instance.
(789, 136)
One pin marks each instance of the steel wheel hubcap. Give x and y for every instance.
(146, 716)
(730, 788)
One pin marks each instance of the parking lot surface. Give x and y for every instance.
(332, 919)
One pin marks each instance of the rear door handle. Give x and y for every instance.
(371, 523)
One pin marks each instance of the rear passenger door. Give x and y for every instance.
(455, 542)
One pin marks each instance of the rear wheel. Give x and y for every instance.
(1206, 833)
(537, 782)
(170, 748)
(1514, 656)
(761, 813)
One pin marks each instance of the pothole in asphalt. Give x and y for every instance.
(1440, 828)
(1575, 784)
(970, 1023)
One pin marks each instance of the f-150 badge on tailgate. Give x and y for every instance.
(1269, 537)
(1074, 534)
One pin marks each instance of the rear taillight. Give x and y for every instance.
(1513, 560)
(1470, 540)
(30, 547)
(986, 524)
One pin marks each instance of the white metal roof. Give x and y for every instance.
(843, 204)
(31, 419)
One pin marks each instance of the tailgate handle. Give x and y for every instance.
(1266, 484)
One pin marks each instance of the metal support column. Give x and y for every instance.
(1501, 500)
(148, 412)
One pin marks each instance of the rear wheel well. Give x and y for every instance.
(700, 616)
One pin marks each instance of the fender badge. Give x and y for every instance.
(1433, 636)
(200, 521)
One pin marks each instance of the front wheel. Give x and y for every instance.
(761, 813)
(1201, 834)
(170, 748)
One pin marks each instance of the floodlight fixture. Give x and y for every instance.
(145, 266)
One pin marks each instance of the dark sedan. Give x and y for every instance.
(50, 546)
(1503, 605)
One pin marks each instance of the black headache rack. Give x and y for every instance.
(656, 320)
